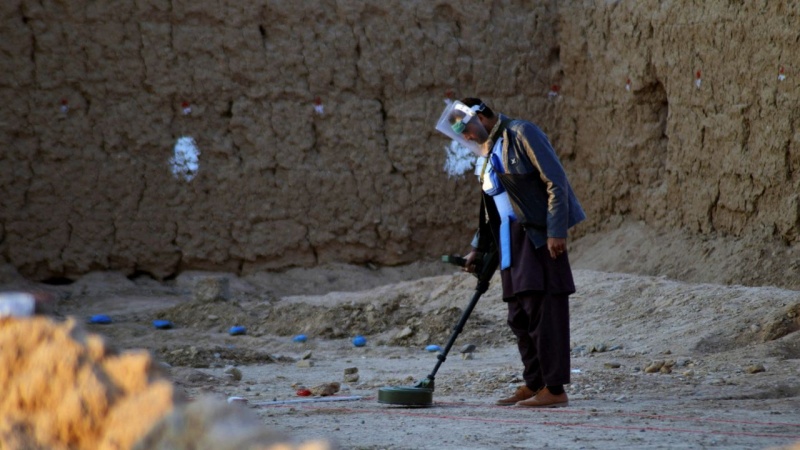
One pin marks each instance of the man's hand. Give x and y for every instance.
(556, 246)
(471, 258)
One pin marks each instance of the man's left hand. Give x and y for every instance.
(556, 246)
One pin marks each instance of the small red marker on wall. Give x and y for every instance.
(697, 79)
(628, 84)
(318, 108)
(64, 106)
(554, 91)
(781, 74)
(186, 108)
(448, 97)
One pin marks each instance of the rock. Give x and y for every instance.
(351, 375)
(654, 367)
(325, 389)
(305, 363)
(306, 355)
(468, 348)
(404, 333)
(755, 368)
(612, 365)
(211, 289)
(599, 348)
(467, 356)
(351, 378)
(233, 373)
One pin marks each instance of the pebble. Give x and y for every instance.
(467, 356)
(660, 366)
(755, 368)
(305, 363)
(351, 378)
(306, 355)
(325, 389)
(351, 375)
(211, 289)
(612, 365)
(233, 373)
(599, 348)
(404, 333)
(468, 348)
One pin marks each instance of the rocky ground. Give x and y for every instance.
(657, 363)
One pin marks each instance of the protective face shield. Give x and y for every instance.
(454, 120)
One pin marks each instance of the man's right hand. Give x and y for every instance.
(471, 262)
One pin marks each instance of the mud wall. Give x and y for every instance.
(95, 96)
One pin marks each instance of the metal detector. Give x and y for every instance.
(421, 394)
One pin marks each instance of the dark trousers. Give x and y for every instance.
(540, 321)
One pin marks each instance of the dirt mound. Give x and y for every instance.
(64, 388)
(391, 314)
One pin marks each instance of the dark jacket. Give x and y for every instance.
(537, 186)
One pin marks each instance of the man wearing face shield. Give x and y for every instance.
(527, 206)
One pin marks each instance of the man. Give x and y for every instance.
(527, 206)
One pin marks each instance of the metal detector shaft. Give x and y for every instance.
(482, 287)
(488, 265)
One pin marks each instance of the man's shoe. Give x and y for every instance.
(522, 393)
(545, 399)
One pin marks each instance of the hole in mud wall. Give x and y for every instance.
(140, 274)
(652, 156)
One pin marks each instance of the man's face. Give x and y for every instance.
(476, 132)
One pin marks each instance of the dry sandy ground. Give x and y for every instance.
(734, 354)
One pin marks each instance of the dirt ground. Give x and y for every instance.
(731, 355)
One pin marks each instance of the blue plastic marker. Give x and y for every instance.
(300, 338)
(359, 341)
(237, 330)
(162, 324)
(100, 319)
(433, 348)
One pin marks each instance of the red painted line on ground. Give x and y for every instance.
(405, 412)
(642, 415)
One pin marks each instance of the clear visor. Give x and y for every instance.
(453, 122)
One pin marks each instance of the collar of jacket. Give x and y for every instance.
(499, 128)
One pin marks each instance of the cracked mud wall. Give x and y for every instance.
(719, 158)
(280, 186)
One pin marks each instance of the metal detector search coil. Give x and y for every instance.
(406, 396)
